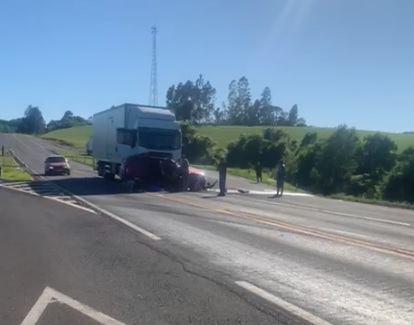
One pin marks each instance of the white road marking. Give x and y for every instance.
(16, 184)
(101, 210)
(343, 232)
(70, 203)
(37, 144)
(295, 310)
(117, 218)
(342, 214)
(400, 223)
(265, 192)
(41, 193)
(38, 308)
(50, 295)
(20, 190)
(24, 145)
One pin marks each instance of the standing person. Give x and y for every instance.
(280, 178)
(185, 170)
(222, 169)
(258, 169)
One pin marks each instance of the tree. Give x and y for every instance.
(68, 115)
(400, 183)
(179, 100)
(293, 115)
(197, 148)
(283, 119)
(275, 135)
(240, 109)
(220, 114)
(244, 99)
(193, 102)
(252, 114)
(203, 98)
(266, 97)
(268, 114)
(68, 120)
(309, 139)
(6, 127)
(376, 156)
(233, 107)
(336, 160)
(33, 122)
(268, 148)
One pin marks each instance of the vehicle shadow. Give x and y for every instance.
(90, 186)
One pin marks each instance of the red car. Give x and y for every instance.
(57, 165)
(162, 171)
(197, 180)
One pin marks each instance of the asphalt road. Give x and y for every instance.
(345, 263)
(101, 265)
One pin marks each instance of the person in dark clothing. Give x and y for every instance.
(222, 169)
(280, 178)
(258, 169)
(185, 172)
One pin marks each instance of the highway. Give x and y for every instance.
(263, 260)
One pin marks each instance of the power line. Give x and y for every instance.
(153, 100)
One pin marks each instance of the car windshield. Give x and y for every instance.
(55, 160)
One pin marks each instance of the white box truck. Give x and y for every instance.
(131, 129)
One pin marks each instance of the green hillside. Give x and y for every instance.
(76, 136)
(223, 135)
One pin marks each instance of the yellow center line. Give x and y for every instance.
(298, 229)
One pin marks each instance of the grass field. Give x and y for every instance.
(11, 172)
(223, 135)
(75, 137)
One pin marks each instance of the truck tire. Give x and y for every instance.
(101, 170)
(109, 176)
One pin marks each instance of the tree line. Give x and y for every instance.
(343, 163)
(194, 102)
(33, 122)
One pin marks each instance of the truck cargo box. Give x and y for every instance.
(130, 129)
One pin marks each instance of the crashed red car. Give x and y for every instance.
(143, 169)
(197, 180)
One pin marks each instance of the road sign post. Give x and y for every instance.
(2, 165)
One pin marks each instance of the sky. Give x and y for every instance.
(341, 61)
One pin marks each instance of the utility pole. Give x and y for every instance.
(153, 100)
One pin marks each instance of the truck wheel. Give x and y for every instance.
(109, 176)
(101, 170)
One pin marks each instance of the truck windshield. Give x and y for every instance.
(159, 139)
